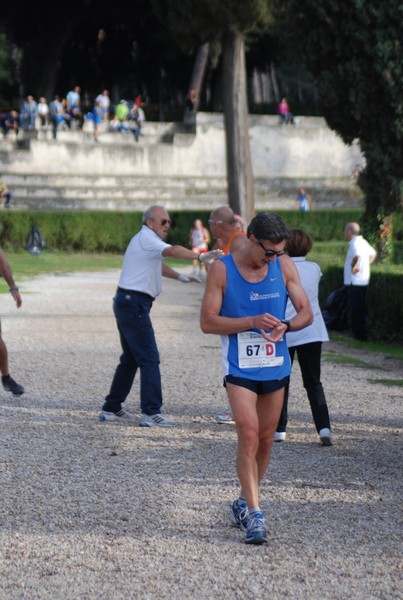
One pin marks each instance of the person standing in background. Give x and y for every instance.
(360, 255)
(140, 283)
(28, 113)
(104, 101)
(307, 342)
(227, 229)
(5, 193)
(304, 200)
(199, 239)
(43, 112)
(74, 109)
(55, 112)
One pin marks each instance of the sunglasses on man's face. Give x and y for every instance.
(221, 222)
(270, 253)
(165, 221)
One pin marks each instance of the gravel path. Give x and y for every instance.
(93, 510)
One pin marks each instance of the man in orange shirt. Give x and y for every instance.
(227, 229)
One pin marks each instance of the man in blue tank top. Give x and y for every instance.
(244, 302)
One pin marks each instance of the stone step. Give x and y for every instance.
(109, 192)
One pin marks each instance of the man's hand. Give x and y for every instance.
(275, 334)
(210, 257)
(185, 279)
(17, 297)
(267, 322)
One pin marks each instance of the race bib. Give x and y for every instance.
(255, 351)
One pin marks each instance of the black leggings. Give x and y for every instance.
(309, 358)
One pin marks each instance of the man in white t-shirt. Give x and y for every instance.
(139, 284)
(360, 255)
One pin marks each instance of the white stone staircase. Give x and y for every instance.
(180, 170)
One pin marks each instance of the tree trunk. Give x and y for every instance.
(199, 70)
(239, 164)
(276, 88)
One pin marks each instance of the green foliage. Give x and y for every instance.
(195, 22)
(107, 231)
(5, 72)
(398, 226)
(385, 305)
(26, 265)
(100, 232)
(384, 297)
(354, 50)
(90, 231)
(321, 225)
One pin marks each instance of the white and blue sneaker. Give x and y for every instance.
(325, 437)
(122, 416)
(256, 530)
(158, 420)
(239, 514)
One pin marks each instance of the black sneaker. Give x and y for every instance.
(12, 386)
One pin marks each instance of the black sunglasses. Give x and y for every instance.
(222, 222)
(165, 221)
(270, 253)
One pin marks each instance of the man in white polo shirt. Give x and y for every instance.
(360, 255)
(139, 284)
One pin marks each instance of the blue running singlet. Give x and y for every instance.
(248, 354)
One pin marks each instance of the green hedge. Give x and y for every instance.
(110, 231)
(384, 299)
(321, 225)
(85, 231)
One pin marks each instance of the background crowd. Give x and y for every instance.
(70, 112)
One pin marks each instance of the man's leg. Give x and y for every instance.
(268, 410)
(358, 305)
(122, 380)
(243, 406)
(256, 418)
(3, 358)
(133, 316)
(9, 384)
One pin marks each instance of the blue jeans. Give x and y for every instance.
(132, 312)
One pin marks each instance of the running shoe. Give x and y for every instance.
(256, 530)
(225, 419)
(12, 386)
(158, 420)
(122, 416)
(325, 437)
(239, 514)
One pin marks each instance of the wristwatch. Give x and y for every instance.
(287, 323)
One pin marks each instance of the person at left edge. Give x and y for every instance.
(9, 384)
(139, 284)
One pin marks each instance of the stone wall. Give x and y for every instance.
(284, 157)
(308, 149)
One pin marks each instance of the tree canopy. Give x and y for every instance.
(197, 22)
(354, 51)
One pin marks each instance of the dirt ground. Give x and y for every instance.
(93, 510)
